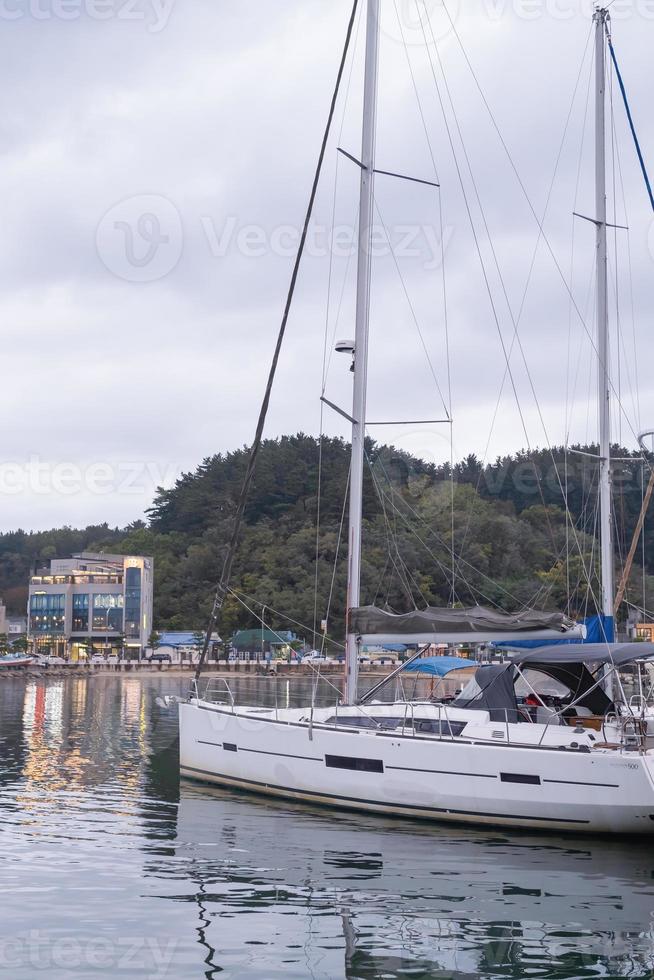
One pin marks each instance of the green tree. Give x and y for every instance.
(504, 520)
(20, 645)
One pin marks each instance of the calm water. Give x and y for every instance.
(109, 867)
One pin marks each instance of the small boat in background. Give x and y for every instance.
(15, 660)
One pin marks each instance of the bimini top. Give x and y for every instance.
(439, 666)
(434, 622)
(618, 654)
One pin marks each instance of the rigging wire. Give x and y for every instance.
(618, 178)
(432, 531)
(616, 283)
(336, 556)
(404, 573)
(632, 126)
(618, 514)
(380, 581)
(414, 315)
(578, 360)
(444, 287)
(573, 229)
(479, 251)
(633, 383)
(515, 321)
(241, 596)
(525, 193)
(325, 361)
(528, 281)
(318, 529)
(417, 92)
(550, 249)
(328, 349)
(643, 555)
(223, 584)
(396, 511)
(281, 638)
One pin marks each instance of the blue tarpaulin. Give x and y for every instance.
(599, 629)
(439, 666)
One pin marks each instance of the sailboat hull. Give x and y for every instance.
(436, 779)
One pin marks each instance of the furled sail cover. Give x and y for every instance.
(368, 620)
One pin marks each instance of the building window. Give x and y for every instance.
(80, 614)
(133, 602)
(107, 613)
(47, 613)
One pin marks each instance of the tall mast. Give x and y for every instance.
(366, 220)
(604, 381)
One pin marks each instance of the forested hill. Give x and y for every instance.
(509, 528)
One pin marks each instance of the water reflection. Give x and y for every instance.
(387, 899)
(100, 842)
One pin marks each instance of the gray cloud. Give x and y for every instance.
(217, 111)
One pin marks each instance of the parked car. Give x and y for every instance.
(315, 657)
(159, 658)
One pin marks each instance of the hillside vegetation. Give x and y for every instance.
(509, 535)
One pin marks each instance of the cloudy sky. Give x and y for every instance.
(156, 158)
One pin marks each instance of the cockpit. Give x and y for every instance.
(577, 684)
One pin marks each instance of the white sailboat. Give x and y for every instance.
(536, 742)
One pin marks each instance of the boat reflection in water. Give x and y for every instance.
(369, 897)
(101, 843)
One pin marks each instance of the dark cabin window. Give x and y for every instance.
(430, 726)
(349, 762)
(517, 777)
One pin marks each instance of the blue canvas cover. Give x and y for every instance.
(599, 629)
(439, 666)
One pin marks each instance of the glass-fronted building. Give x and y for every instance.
(91, 605)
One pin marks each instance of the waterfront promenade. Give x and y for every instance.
(221, 669)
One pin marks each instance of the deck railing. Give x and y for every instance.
(631, 727)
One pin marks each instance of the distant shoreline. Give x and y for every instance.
(175, 671)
